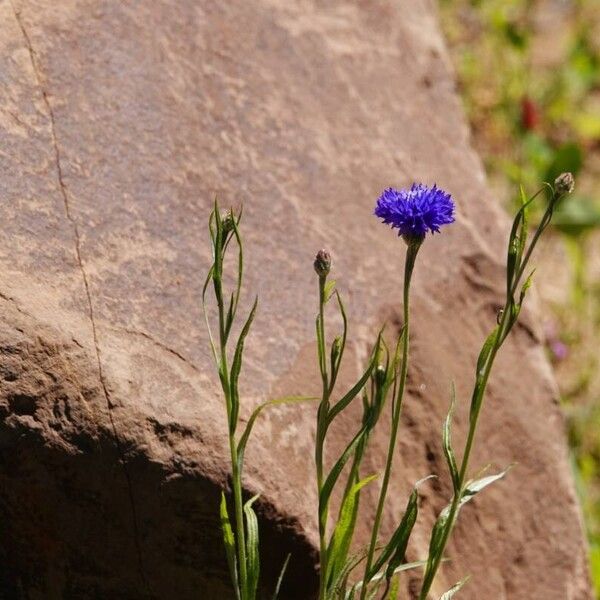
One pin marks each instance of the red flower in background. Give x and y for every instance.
(530, 115)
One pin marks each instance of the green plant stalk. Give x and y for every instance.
(467, 453)
(323, 409)
(411, 255)
(235, 473)
(479, 392)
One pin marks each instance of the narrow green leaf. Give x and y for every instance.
(393, 589)
(229, 542)
(524, 223)
(205, 313)
(211, 225)
(320, 348)
(455, 588)
(475, 486)
(512, 263)
(339, 546)
(486, 350)
(252, 557)
(518, 239)
(340, 583)
(395, 549)
(335, 472)
(229, 317)
(241, 447)
(335, 366)
(339, 406)
(447, 442)
(435, 544)
(400, 569)
(328, 289)
(281, 576)
(240, 275)
(526, 286)
(236, 367)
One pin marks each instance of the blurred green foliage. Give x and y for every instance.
(529, 75)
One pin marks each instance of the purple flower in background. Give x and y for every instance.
(559, 349)
(416, 211)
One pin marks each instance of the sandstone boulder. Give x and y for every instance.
(119, 122)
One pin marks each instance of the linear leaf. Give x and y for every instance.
(396, 547)
(252, 557)
(455, 588)
(475, 486)
(335, 366)
(205, 313)
(394, 589)
(229, 542)
(339, 406)
(524, 223)
(241, 448)
(281, 576)
(335, 472)
(526, 286)
(435, 544)
(344, 529)
(447, 442)
(240, 275)
(486, 349)
(236, 368)
(328, 289)
(405, 567)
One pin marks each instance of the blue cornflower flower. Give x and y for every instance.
(415, 211)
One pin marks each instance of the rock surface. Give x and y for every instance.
(119, 122)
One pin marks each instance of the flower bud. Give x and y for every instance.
(322, 263)
(227, 221)
(564, 184)
(380, 375)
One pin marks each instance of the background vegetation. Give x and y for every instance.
(529, 72)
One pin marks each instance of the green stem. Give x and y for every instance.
(236, 475)
(321, 416)
(478, 394)
(477, 399)
(239, 514)
(411, 255)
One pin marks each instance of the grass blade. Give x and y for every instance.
(281, 576)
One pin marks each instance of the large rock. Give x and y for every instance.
(119, 124)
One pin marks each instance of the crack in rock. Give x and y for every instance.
(75, 228)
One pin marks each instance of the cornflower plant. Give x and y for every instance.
(414, 213)
(518, 255)
(241, 540)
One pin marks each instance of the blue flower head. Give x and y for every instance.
(416, 211)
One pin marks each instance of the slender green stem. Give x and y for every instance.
(236, 475)
(411, 255)
(504, 327)
(478, 396)
(321, 416)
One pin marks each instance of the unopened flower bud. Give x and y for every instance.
(380, 375)
(564, 184)
(322, 263)
(227, 221)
